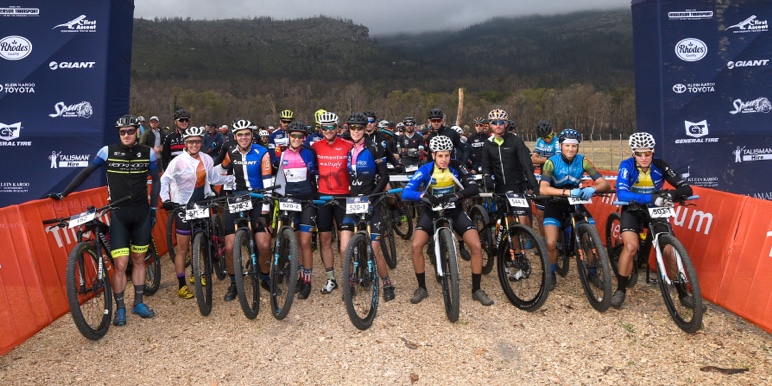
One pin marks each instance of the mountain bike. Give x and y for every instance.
(483, 209)
(89, 268)
(388, 242)
(581, 239)
(522, 256)
(360, 271)
(443, 243)
(218, 262)
(677, 276)
(245, 264)
(403, 212)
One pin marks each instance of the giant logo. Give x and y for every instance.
(74, 65)
(747, 63)
(80, 110)
(15, 47)
(78, 24)
(691, 50)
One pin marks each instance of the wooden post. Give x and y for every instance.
(460, 106)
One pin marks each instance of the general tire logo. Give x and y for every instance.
(15, 47)
(696, 129)
(10, 132)
(691, 50)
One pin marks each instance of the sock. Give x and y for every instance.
(119, 300)
(476, 277)
(265, 276)
(307, 275)
(387, 281)
(233, 279)
(330, 273)
(139, 291)
(421, 277)
(591, 271)
(181, 279)
(622, 280)
(300, 272)
(553, 268)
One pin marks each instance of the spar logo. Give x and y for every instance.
(751, 24)
(694, 88)
(743, 154)
(696, 130)
(78, 24)
(80, 110)
(15, 47)
(691, 50)
(70, 65)
(9, 134)
(747, 63)
(760, 105)
(17, 88)
(59, 160)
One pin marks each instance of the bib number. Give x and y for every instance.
(193, 212)
(289, 204)
(578, 201)
(517, 200)
(660, 212)
(82, 218)
(357, 205)
(239, 204)
(411, 168)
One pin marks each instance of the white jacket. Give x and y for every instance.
(180, 175)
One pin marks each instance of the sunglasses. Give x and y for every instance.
(329, 128)
(410, 124)
(194, 141)
(242, 135)
(127, 132)
(435, 120)
(184, 120)
(286, 121)
(297, 136)
(479, 125)
(356, 127)
(643, 153)
(499, 122)
(370, 120)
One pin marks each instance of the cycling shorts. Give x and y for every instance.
(461, 221)
(327, 212)
(556, 211)
(376, 228)
(130, 227)
(305, 221)
(229, 220)
(182, 225)
(632, 222)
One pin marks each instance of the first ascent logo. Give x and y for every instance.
(691, 50)
(751, 24)
(9, 134)
(80, 110)
(15, 47)
(78, 24)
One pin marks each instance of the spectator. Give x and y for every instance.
(213, 140)
(155, 138)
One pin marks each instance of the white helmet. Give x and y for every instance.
(384, 124)
(263, 133)
(241, 124)
(440, 143)
(328, 118)
(193, 132)
(497, 114)
(641, 140)
(458, 130)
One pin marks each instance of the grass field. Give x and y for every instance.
(605, 154)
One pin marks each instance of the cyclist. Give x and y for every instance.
(331, 156)
(190, 175)
(561, 176)
(546, 146)
(640, 181)
(251, 167)
(436, 182)
(278, 141)
(132, 221)
(476, 141)
(368, 174)
(411, 146)
(435, 118)
(173, 144)
(297, 177)
(264, 138)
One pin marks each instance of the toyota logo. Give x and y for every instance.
(678, 88)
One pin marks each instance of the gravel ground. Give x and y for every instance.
(565, 342)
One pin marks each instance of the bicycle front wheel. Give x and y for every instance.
(450, 286)
(171, 234)
(88, 293)
(593, 265)
(284, 272)
(152, 269)
(218, 247)
(202, 273)
(247, 279)
(523, 276)
(402, 220)
(481, 220)
(360, 282)
(682, 296)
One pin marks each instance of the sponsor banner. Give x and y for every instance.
(17, 11)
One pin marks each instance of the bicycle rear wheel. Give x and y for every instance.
(88, 295)
(284, 272)
(218, 246)
(592, 260)
(687, 317)
(202, 273)
(247, 279)
(360, 282)
(402, 220)
(481, 220)
(565, 251)
(450, 285)
(152, 269)
(523, 276)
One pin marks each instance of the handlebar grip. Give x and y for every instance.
(319, 202)
(257, 195)
(51, 221)
(395, 190)
(270, 188)
(620, 203)
(327, 198)
(692, 197)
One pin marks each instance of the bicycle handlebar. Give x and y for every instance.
(106, 207)
(629, 202)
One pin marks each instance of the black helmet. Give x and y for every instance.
(479, 120)
(357, 119)
(127, 120)
(181, 113)
(436, 113)
(512, 125)
(543, 128)
(408, 120)
(297, 126)
(370, 113)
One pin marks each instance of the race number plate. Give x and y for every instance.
(578, 201)
(82, 218)
(357, 205)
(449, 205)
(239, 203)
(517, 200)
(290, 205)
(193, 211)
(660, 212)
(411, 168)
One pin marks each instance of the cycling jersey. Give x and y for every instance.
(278, 138)
(439, 182)
(546, 150)
(251, 169)
(191, 178)
(312, 139)
(367, 168)
(174, 145)
(476, 141)
(409, 148)
(127, 171)
(297, 172)
(632, 186)
(567, 175)
(508, 160)
(333, 172)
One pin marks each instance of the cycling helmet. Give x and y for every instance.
(318, 115)
(424, 130)
(641, 141)
(127, 120)
(570, 136)
(141, 118)
(383, 124)
(498, 114)
(181, 113)
(193, 132)
(370, 114)
(435, 113)
(543, 128)
(408, 120)
(387, 131)
(458, 130)
(512, 125)
(479, 120)
(286, 114)
(241, 124)
(357, 119)
(297, 126)
(400, 126)
(328, 118)
(440, 143)
(263, 133)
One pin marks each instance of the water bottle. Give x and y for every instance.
(497, 233)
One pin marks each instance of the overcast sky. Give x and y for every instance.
(381, 17)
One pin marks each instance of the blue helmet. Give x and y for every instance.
(570, 134)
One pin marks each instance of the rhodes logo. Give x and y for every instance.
(15, 47)
(78, 24)
(80, 110)
(691, 50)
(751, 24)
(760, 105)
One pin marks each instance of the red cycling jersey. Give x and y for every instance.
(333, 172)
